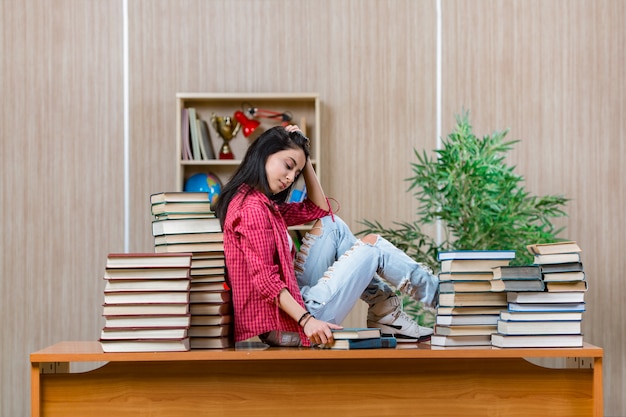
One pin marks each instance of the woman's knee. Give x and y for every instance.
(371, 239)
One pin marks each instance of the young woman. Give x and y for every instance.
(290, 298)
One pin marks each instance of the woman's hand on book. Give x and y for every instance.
(319, 332)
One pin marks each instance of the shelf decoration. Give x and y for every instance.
(227, 128)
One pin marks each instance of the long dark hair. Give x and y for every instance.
(251, 171)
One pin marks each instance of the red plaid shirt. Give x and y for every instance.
(260, 262)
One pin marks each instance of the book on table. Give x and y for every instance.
(172, 239)
(464, 286)
(166, 273)
(475, 254)
(469, 310)
(467, 319)
(202, 309)
(465, 330)
(517, 278)
(539, 327)
(517, 272)
(523, 341)
(148, 260)
(114, 333)
(154, 285)
(147, 321)
(556, 247)
(472, 265)
(146, 297)
(468, 299)
(217, 261)
(211, 320)
(369, 343)
(452, 341)
(563, 276)
(190, 247)
(515, 285)
(209, 286)
(189, 225)
(210, 296)
(182, 207)
(210, 342)
(179, 197)
(178, 216)
(208, 278)
(541, 315)
(356, 333)
(220, 330)
(565, 267)
(196, 273)
(556, 258)
(465, 276)
(145, 309)
(563, 286)
(546, 297)
(151, 345)
(546, 307)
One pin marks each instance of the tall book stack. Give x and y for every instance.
(185, 222)
(468, 308)
(146, 302)
(551, 317)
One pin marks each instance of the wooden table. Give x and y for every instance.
(410, 380)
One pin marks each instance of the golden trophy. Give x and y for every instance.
(227, 127)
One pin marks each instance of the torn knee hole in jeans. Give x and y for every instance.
(330, 271)
(328, 274)
(406, 287)
(302, 255)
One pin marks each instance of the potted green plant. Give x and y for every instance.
(479, 200)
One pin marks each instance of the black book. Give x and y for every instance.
(566, 267)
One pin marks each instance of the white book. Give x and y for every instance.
(470, 319)
(555, 341)
(539, 327)
(546, 297)
(540, 316)
(473, 340)
(194, 225)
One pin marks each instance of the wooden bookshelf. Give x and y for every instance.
(304, 108)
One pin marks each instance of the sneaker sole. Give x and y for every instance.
(400, 338)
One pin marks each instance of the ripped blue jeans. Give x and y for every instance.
(334, 269)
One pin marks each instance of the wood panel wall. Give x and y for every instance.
(62, 176)
(552, 72)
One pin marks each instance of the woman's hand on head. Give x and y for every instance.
(319, 332)
(292, 128)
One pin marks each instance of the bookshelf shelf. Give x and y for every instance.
(304, 108)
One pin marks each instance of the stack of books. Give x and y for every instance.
(185, 222)
(468, 308)
(361, 338)
(146, 302)
(551, 317)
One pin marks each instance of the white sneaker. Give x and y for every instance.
(396, 322)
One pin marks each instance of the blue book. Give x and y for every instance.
(475, 254)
